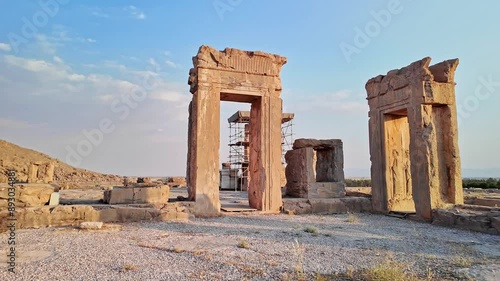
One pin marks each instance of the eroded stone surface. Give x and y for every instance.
(137, 195)
(315, 169)
(46, 216)
(239, 76)
(413, 139)
(27, 195)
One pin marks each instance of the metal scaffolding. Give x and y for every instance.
(239, 142)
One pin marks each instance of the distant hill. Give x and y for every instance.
(19, 158)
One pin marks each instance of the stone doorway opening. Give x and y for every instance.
(236, 76)
(235, 155)
(399, 193)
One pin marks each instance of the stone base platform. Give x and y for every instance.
(470, 217)
(72, 215)
(299, 206)
(137, 195)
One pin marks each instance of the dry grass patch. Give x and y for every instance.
(462, 261)
(352, 218)
(129, 267)
(388, 270)
(243, 243)
(311, 229)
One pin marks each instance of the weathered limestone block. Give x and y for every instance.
(27, 195)
(315, 169)
(296, 206)
(144, 180)
(357, 204)
(91, 225)
(137, 195)
(328, 206)
(326, 190)
(54, 199)
(316, 144)
(45, 216)
(299, 171)
(177, 182)
(299, 206)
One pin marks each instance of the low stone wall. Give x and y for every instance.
(490, 202)
(46, 216)
(137, 195)
(470, 217)
(299, 206)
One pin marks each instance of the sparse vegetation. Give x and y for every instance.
(243, 243)
(388, 270)
(352, 218)
(298, 251)
(462, 261)
(311, 229)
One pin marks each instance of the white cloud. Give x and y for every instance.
(5, 47)
(135, 12)
(341, 102)
(57, 59)
(69, 101)
(99, 13)
(91, 40)
(154, 64)
(115, 65)
(47, 44)
(167, 95)
(171, 64)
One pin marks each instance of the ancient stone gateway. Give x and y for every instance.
(237, 76)
(413, 139)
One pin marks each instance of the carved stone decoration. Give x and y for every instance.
(237, 76)
(414, 139)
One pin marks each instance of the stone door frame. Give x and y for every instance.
(236, 76)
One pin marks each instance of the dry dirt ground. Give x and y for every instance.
(254, 247)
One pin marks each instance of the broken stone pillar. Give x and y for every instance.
(33, 173)
(413, 139)
(315, 169)
(237, 76)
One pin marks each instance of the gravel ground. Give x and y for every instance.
(252, 247)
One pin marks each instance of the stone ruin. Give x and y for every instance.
(236, 76)
(315, 169)
(414, 140)
(143, 191)
(41, 172)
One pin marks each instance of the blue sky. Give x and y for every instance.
(61, 76)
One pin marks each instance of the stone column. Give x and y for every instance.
(205, 182)
(264, 191)
(379, 192)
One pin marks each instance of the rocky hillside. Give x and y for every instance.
(33, 166)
